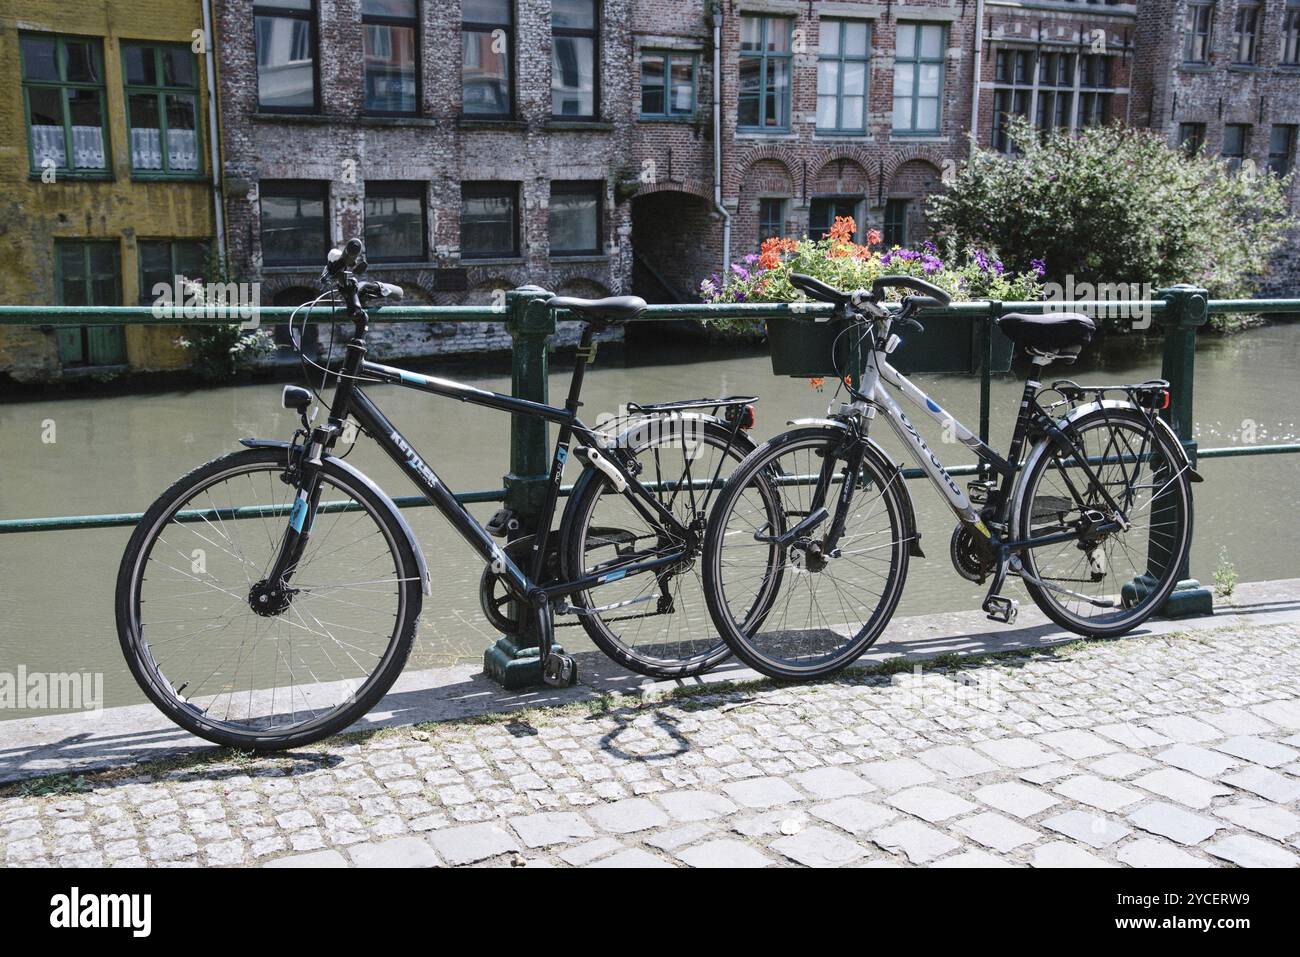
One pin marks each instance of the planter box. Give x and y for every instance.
(802, 348)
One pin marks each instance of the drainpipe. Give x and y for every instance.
(717, 139)
(209, 56)
(975, 85)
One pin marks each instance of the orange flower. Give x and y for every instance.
(873, 237)
(842, 229)
(817, 382)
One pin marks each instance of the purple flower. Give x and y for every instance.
(982, 260)
(930, 248)
(998, 267)
(886, 259)
(931, 263)
(751, 259)
(740, 270)
(1038, 266)
(907, 255)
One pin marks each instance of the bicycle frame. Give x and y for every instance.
(351, 399)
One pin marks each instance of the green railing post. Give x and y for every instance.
(1187, 311)
(513, 660)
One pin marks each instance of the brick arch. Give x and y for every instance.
(690, 184)
(910, 154)
(900, 177)
(835, 163)
(768, 151)
(577, 283)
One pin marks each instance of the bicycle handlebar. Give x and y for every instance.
(818, 290)
(929, 289)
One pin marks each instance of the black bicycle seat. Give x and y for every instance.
(1048, 332)
(610, 309)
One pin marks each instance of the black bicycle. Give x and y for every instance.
(270, 597)
(1091, 508)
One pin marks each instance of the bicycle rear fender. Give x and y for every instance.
(881, 458)
(1042, 445)
(362, 479)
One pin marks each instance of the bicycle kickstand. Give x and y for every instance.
(998, 607)
(559, 670)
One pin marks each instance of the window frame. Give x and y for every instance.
(887, 224)
(487, 189)
(87, 275)
(62, 85)
(593, 33)
(579, 187)
(840, 60)
(1236, 160)
(162, 91)
(145, 292)
(917, 60)
(1289, 53)
(482, 26)
(857, 199)
(783, 204)
(268, 8)
(1013, 89)
(763, 55)
(1288, 157)
(398, 189)
(1245, 7)
(414, 22)
(285, 188)
(669, 56)
(1190, 28)
(1198, 137)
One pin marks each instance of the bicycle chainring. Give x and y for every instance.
(968, 557)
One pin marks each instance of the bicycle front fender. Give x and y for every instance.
(360, 477)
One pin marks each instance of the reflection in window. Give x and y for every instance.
(573, 59)
(574, 218)
(295, 226)
(486, 37)
(395, 222)
(162, 108)
(391, 56)
(63, 84)
(489, 223)
(764, 98)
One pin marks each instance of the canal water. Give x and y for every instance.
(116, 454)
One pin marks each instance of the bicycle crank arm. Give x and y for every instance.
(803, 528)
(1018, 568)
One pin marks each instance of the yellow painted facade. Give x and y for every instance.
(122, 206)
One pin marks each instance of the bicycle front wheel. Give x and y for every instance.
(276, 677)
(807, 607)
(1103, 584)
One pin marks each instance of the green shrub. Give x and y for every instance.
(1114, 204)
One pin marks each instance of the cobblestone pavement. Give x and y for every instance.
(1180, 750)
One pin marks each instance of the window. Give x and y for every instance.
(396, 222)
(1235, 139)
(391, 55)
(895, 223)
(1244, 31)
(574, 218)
(88, 274)
(1291, 33)
(842, 76)
(1055, 91)
(295, 225)
(764, 97)
(667, 84)
(574, 59)
(489, 220)
(918, 77)
(162, 260)
(1013, 80)
(825, 209)
(1094, 92)
(162, 102)
(63, 87)
(487, 35)
(286, 55)
(1281, 149)
(1191, 137)
(1199, 27)
(771, 218)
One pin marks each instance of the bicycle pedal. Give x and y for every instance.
(503, 523)
(1002, 609)
(559, 670)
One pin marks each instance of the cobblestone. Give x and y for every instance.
(1139, 752)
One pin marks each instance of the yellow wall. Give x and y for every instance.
(34, 214)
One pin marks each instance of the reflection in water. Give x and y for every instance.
(118, 454)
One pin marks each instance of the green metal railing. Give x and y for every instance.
(1179, 311)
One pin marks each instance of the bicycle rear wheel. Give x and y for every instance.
(283, 677)
(1104, 585)
(797, 611)
(655, 623)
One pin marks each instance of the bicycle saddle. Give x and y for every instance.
(610, 309)
(1050, 332)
